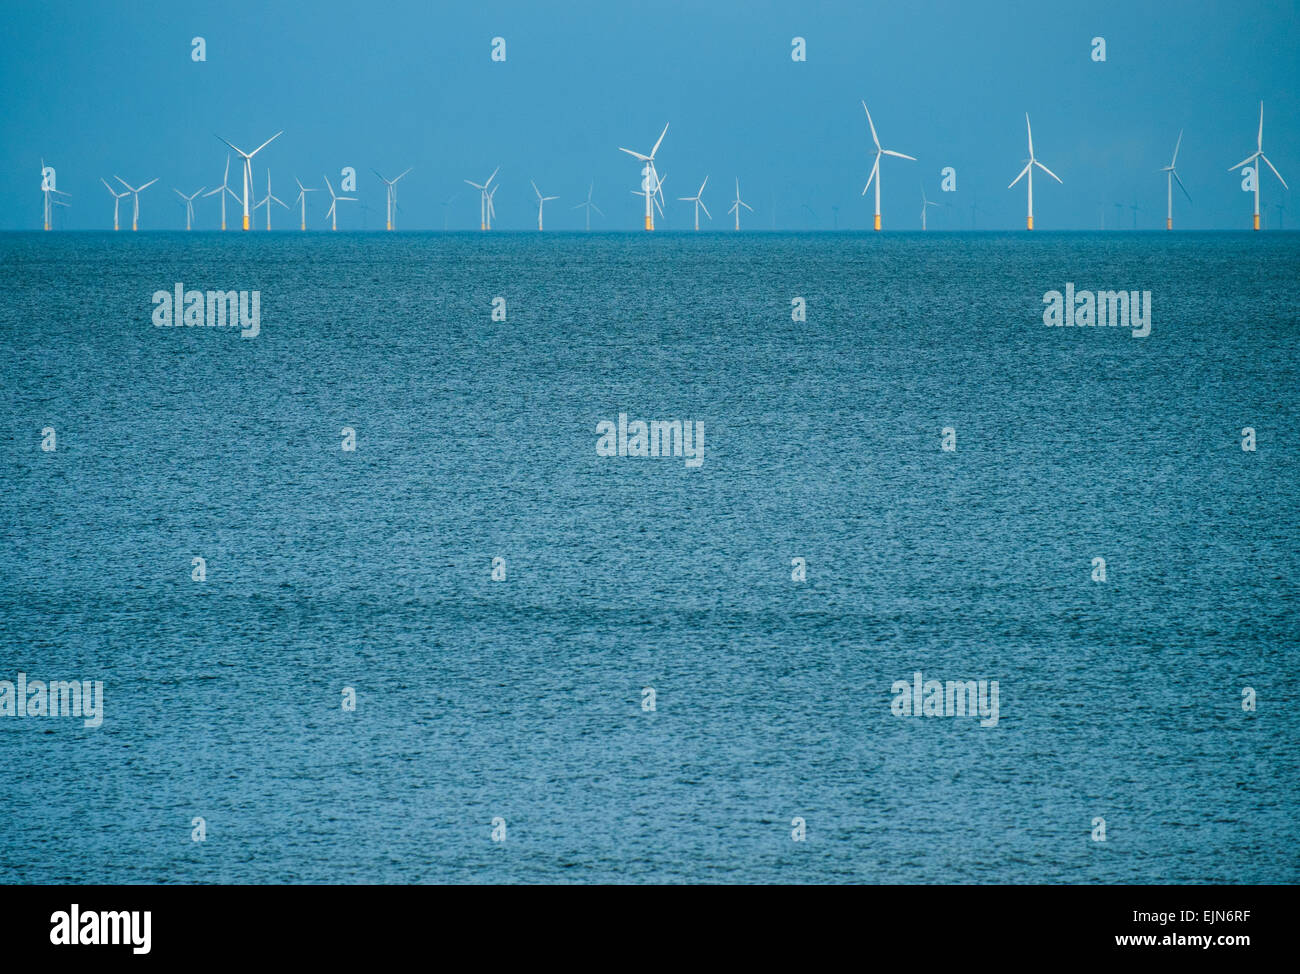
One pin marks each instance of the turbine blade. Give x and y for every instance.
(665, 132)
(874, 138)
(1259, 141)
(897, 155)
(597, 209)
(236, 148)
(266, 143)
(492, 177)
(155, 179)
(1250, 158)
(875, 170)
(637, 154)
(1021, 176)
(1048, 171)
(1181, 186)
(1031, 136)
(706, 210)
(1173, 162)
(1275, 172)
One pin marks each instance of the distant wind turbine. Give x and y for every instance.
(225, 186)
(117, 198)
(588, 205)
(485, 209)
(248, 168)
(392, 194)
(650, 182)
(189, 205)
(135, 203)
(301, 200)
(925, 205)
(50, 202)
(875, 169)
(699, 202)
(541, 201)
(1029, 170)
(446, 203)
(332, 213)
(1170, 175)
(1136, 209)
(269, 199)
(1259, 154)
(737, 204)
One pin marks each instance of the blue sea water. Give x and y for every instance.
(522, 699)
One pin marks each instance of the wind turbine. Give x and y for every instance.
(392, 194)
(50, 202)
(650, 181)
(446, 203)
(875, 169)
(1259, 154)
(332, 213)
(738, 203)
(189, 206)
(302, 199)
(541, 201)
(1029, 169)
(589, 205)
(135, 204)
(1136, 209)
(925, 205)
(248, 167)
(269, 199)
(1170, 175)
(485, 211)
(699, 202)
(117, 197)
(225, 185)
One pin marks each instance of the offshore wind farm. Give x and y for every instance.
(926, 516)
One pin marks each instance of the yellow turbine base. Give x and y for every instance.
(245, 223)
(47, 226)
(1256, 221)
(223, 224)
(877, 221)
(1169, 223)
(303, 227)
(649, 223)
(390, 226)
(133, 226)
(1029, 223)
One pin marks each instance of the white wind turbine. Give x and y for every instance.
(541, 201)
(875, 168)
(1170, 175)
(650, 181)
(332, 212)
(117, 198)
(392, 193)
(925, 206)
(135, 203)
(189, 205)
(223, 189)
(302, 199)
(1029, 169)
(589, 205)
(50, 202)
(485, 210)
(738, 203)
(269, 199)
(1259, 154)
(248, 168)
(700, 202)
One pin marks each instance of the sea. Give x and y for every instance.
(476, 648)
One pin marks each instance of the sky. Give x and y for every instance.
(105, 88)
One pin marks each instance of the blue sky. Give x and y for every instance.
(104, 88)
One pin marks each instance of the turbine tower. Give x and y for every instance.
(135, 203)
(875, 169)
(1029, 169)
(925, 205)
(541, 201)
(268, 200)
(485, 211)
(189, 206)
(700, 202)
(589, 205)
(223, 189)
(248, 167)
(332, 212)
(1259, 154)
(117, 198)
(650, 182)
(392, 193)
(738, 203)
(302, 200)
